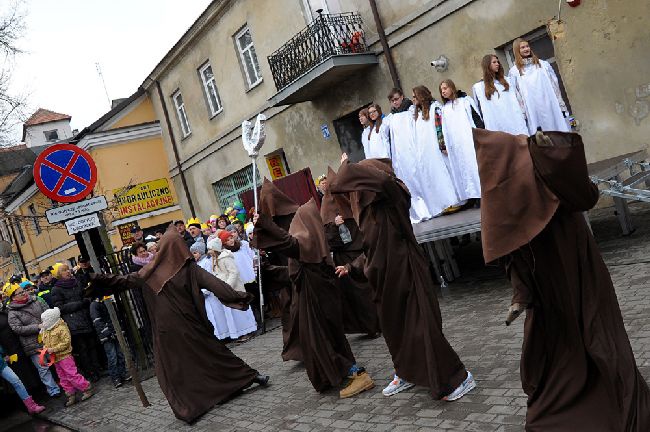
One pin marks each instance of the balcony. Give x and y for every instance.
(323, 54)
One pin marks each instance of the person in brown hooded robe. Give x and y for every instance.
(326, 353)
(359, 311)
(281, 208)
(577, 366)
(194, 369)
(399, 274)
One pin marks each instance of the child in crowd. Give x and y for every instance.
(57, 341)
(10, 376)
(106, 333)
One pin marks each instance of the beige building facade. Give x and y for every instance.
(219, 74)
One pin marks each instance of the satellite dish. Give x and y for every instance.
(5, 249)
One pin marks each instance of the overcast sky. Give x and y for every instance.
(65, 38)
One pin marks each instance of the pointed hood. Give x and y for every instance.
(172, 255)
(307, 228)
(333, 205)
(274, 202)
(515, 205)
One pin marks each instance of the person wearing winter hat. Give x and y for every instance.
(239, 324)
(24, 318)
(57, 341)
(10, 376)
(198, 249)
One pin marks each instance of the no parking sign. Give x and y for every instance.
(65, 173)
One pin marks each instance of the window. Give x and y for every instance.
(229, 189)
(542, 46)
(52, 135)
(181, 113)
(210, 90)
(4, 231)
(21, 234)
(35, 224)
(248, 57)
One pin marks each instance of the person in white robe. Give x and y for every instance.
(366, 124)
(378, 146)
(235, 323)
(440, 193)
(539, 87)
(458, 119)
(498, 101)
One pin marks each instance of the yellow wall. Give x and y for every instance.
(143, 113)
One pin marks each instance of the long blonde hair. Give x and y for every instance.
(519, 60)
(489, 77)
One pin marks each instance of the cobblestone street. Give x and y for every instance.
(473, 313)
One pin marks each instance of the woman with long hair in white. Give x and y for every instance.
(500, 103)
(538, 84)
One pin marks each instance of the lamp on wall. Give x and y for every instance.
(441, 63)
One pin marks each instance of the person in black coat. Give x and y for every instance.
(106, 333)
(68, 296)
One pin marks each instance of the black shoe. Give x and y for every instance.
(118, 384)
(127, 379)
(262, 380)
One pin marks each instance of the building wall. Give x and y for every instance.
(142, 113)
(418, 32)
(35, 134)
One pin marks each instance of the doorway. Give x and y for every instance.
(348, 131)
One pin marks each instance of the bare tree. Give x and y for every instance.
(12, 106)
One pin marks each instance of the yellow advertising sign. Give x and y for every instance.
(143, 198)
(276, 166)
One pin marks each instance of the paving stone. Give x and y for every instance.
(473, 313)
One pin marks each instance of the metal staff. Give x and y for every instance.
(253, 139)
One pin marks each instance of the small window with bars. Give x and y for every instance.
(34, 215)
(230, 189)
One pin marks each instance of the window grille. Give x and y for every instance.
(229, 189)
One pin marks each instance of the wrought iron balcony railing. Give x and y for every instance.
(326, 36)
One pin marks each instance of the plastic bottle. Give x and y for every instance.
(344, 232)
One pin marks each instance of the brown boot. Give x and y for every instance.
(514, 311)
(71, 399)
(357, 383)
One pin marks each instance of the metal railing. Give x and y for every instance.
(327, 36)
(131, 312)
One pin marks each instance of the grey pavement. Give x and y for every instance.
(473, 314)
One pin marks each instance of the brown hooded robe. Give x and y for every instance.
(398, 272)
(281, 208)
(359, 311)
(577, 366)
(194, 369)
(326, 353)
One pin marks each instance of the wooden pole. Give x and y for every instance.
(127, 354)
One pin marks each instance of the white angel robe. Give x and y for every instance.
(227, 322)
(378, 146)
(438, 191)
(365, 138)
(504, 111)
(244, 261)
(400, 128)
(457, 127)
(540, 91)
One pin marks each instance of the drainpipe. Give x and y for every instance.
(384, 44)
(175, 148)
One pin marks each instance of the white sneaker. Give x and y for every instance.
(396, 385)
(465, 387)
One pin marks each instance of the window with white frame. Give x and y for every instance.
(210, 89)
(35, 224)
(4, 231)
(181, 113)
(52, 135)
(248, 57)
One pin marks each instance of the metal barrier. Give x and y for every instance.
(131, 312)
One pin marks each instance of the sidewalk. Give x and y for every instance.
(473, 315)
